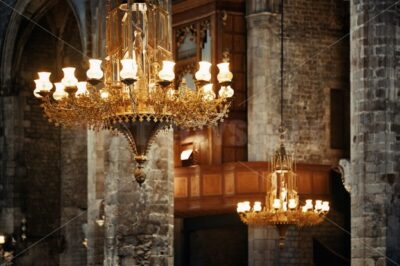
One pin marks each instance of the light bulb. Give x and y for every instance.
(69, 79)
(167, 71)
(257, 206)
(203, 73)
(318, 205)
(60, 91)
(46, 85)
(129, 71)
(277, 204)
(82, 90)
(309, 204)
(224, 75)
(246, 206)
(304, 209)
(325, 206)
(2, 239)
(292, 204)
(239, 207)
(208, 91)
(226, 92)
(94, 71)
(104, 94)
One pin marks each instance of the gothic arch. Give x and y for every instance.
(15, 36)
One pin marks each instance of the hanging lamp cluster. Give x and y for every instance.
(282, 206)
(133, 89)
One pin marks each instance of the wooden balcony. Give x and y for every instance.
(202, 190)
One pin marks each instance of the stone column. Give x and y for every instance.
(262, 81)
(139, 220)
(375, 132)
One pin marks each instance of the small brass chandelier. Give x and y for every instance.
(282, 205)
(135, 95)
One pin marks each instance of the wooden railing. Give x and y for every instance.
(203, 190)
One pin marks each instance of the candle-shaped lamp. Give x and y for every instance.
(203, 74)
(128, 72)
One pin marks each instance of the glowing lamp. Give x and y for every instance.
(60, 91)
(224, 75)
(226, 92)
(128, 72)
(257, 206)
(69, 79)
(167, 71)
(82, 90)
(277, 204)
(203, 74)
(94, 72)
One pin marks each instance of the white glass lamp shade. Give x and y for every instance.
(226, 92)
(224, 75)
(129, 69)
(209, 94)
(94, 71)
(318, 205)
(309, 204)
(203, 73)
(2, 239)
(277, 204)
(292, 204)
(325, 206)
(257, 206)
(38, 88)
(82, 89)
(60, 92)
(44, 77)
(246, 206)
(69, 79)
(239, 207)
(167, 71)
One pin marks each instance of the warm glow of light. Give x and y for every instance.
(82, 89)
(129, 69)
(94, 71)
(204, 73)
(318, 205)
(167, 71)
(104, 94)
(44, 77)
(208, 91)
(69, 79)
(325, 206)
(60, 92)
(224, 75)
(257, 206)
(38, 84)
(277, 204)
(186, 154)
(2, 239)
(226, 92)
(292, 204)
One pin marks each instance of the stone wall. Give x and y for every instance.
(139, 220)
(312, 69)
(375, 131)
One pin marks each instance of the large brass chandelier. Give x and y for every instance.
(282, 206)
(134, 91)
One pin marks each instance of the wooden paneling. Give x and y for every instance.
(247, 182)
(195, 186)
(229, 184)
(180, 187)
(212, 184)
(215, 189)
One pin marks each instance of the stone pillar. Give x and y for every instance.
(375, 132)
(262, 82)
(139, 220)
(73, 200)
